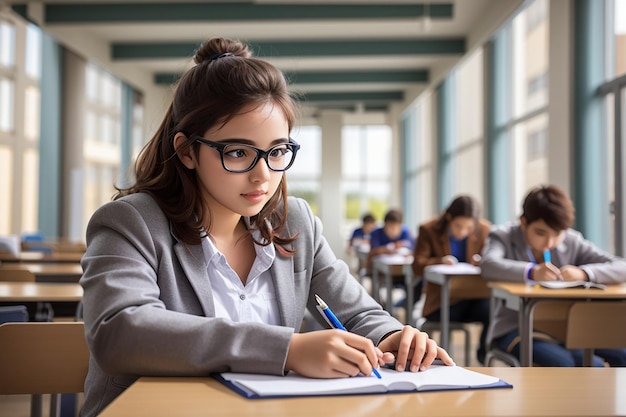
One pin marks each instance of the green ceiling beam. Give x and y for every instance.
(81, 12)
(328, 77)
(383, 96)
(299, 49)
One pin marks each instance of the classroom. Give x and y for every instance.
(402, 105)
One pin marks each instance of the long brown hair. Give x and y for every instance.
(225, 79)
(461, 206)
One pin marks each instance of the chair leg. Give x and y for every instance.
(36, 405)
(467, 346)
(55, 405)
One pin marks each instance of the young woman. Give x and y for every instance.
(204, 265)
(457, 235)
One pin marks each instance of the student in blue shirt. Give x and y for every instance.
(361, 235)
(393, 237)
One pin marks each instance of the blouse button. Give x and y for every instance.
(242, 297)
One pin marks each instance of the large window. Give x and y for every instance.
(366, 171)
(529, 100)
(615, 92)
(469, 147)
(303, 178)
(20, 60)
(102, 150)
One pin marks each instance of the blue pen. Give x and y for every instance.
(547, 257)
(334, 322)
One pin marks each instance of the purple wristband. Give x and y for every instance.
(529, 272)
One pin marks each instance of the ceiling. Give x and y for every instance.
(364, 55)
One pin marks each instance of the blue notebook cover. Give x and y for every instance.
(436, 378)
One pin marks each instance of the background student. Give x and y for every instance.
(457, 235)
(393, 237)
(361, 235)
(514, 252)
(205, 265)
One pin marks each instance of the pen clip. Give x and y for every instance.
(321, 310)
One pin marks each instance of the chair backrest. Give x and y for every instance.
(551, 317)
(16, 274)
(596, 325)
(42, 358)
(13, 313)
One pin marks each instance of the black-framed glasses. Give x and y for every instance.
(238, 157)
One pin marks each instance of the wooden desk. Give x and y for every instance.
(50, 272)
(535, 392)
(41, 257)
(473, 286)
(523, 298)
(391, 265)
(23, 292)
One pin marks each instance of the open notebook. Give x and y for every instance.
(436, 378)
(556, 285)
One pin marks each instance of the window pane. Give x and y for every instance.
(530, 156)
(620, 37)
(6, 179)
(91, 79)
(31, 113)
(366, 170)
(30, 187)
(6, 104)
(309, 159)
(33, 51)
(530, 58)
(7, 44)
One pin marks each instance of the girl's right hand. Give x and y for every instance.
(332, 354)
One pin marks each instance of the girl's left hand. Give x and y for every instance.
(415, 346)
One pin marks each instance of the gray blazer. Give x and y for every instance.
(148, 305)
(505, 258)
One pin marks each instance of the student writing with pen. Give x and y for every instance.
(542, 246)
(205, 265)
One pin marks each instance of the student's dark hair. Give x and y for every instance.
(550, 204)
(225, 81)
(461, 206)
(368, 218)
(393, 215)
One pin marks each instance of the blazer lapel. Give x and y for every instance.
(444, 242)
(191, 258)
(282, 275)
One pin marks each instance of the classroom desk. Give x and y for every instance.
(390, 265)
(523, 298)
(22, 292)
(41, 257)
(49, 272)
(535, 392)
(470, 285)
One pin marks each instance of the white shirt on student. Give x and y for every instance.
(254, 302)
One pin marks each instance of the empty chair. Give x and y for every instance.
(44, 311)
(596, 325)
(16, 274)
(43, 358)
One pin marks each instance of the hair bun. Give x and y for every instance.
(218, 48)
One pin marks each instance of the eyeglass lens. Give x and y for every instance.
(238, 157)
